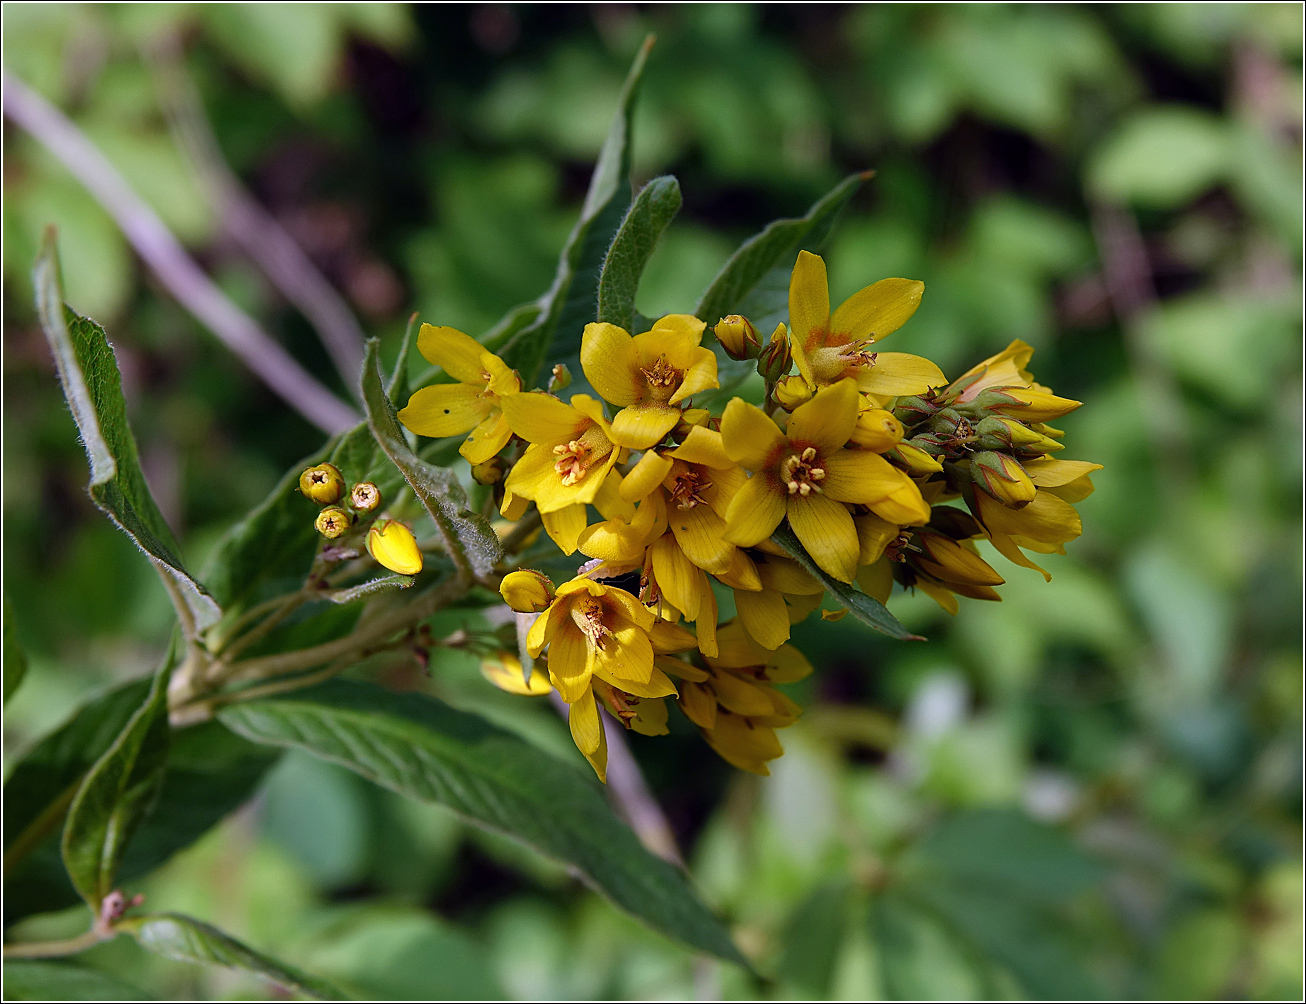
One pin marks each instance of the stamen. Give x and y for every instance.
(800, 474)
(588, 616)
(688, 489)
(573, 462)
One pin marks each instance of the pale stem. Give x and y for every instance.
(171, 264)
(55, 949)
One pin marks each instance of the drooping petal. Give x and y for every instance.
(540, 418)
(788, 665)
(873, 536)
(607, 355)
(809, 300)
(640, 426)
(645, 476)
(876, 579)
(1048, 473)
(699, 532)
(897, 374)
(755, 511)
(904, 505)
(702, 446)
(565, 526)
(657, 685)
(787, 576)
(764, 617)
(457, 354)
(667, 638)
(750, 438)
(825, 528)
(698, 704)
(876, 311)
(743, 745)
(626, 657)
(738, 695)
(700, 376)
(827, 420)
(445, 409)
(680, 581)
(487, 439)
(570, 658)
(586, 729)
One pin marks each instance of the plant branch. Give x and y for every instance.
(54, 949)
(264, 239)
(171, 264)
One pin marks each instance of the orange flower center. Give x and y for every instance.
(662, 379)
(576, 457)
(588, 616)
(800, 473)
(687, 489)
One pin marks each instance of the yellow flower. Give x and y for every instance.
(648, 375)
(324, 484)
(787, 595)
(1067, 479)
(570, 454)
(1006, 375)
(526, 590)
(504, 670)
(474, 403)
(806, 474)
(1043, 526)
(392, 544)
(829, 347)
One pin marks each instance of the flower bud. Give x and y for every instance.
(791, 391)
(393, 545)
(877, 430)
(912, 411)
(488, 473)
(1007, 432)
(1036, 404)
(689, 418)
(324, 484)
(504, 670)
(775, 360)
(332, 521)
(1003, 478)
(560, 378)
(916, 460)
(365, 496)
(738, 337)
(526, 590)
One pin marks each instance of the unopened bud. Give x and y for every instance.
(775, 360)
(324, 484)
(791, 391)
(526, 590)
(689, 419)
(332, 521)
(996, 433)
(1003, 478)
(738, 337)
(488, 473)
(560, 378)
(912, 411)
(393, 545)
(365, 496)
(916, 460)
(877, 430)
(1035, 404)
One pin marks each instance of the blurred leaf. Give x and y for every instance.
(921, 959)
(318, 813)
(117, 793)
(188, 940)
(93, 389)
(1199, 956)
(1160, 157)
(866, 609)
(15, 659)
(649, 215)
(570, 302)
(33, 980)
(438, 488)
(813, 937)
(422, 748)
(294, 47)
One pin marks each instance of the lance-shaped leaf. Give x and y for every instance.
(185, 939)
(40, 980)
(437, 487)
(117, 793)
(422, 748)
(92, 386)
(370, 588)
(866, 609)
(570, 303)
(648, 216)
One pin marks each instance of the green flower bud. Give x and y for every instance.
(791, 391)
(775, 360)
(332, 521)
(560, 379)
(489, 473)
(877, 430)
(1002, 477)
(324, 484)
(738, 337)
(1008, 433)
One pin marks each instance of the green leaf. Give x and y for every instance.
(370, 588)
(397, 388)
(748, 277)
(648, 216)
(38, 980)
(866, 609)
(117, 793)
(15, 659)
(921, 958)
(422, 748)
(571, 302)
(1161, 157)
(437, 487)
(93, 389)
(813, 938)
(185, 939)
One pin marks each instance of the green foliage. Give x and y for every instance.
(422, 748)
(15, 659)
(649, 215)
(30, 980)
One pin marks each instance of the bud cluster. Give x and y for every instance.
(388, 541)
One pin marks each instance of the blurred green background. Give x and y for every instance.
(1092, 789)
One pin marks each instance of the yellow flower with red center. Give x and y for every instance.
(475, 402)
(571, 449)
(647, 376)
(829, 347)
(806, 474)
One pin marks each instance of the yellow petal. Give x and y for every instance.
(749, 436)
(827, 420)
(826, 530)
(392, 544)
(628, 609)
(876, 579)
(650, 717)
(742, 573)
(1048, 473)
(1006, 369)
(741, 744)
(680, 581)
(755, 511)
(667, 638)
(940, 594)
(445, 409)
(682, 324)
(707, 618)
(607, 355)
(657, 685)
(570, 656)
(699, 532)
(540, 418)
(802, 361)
(809, 300)
(626, 658)
(787, 576)
(860, 476)
(487, 439)
(586, 729)
(640, 426)
(699, 705)
(1074, 491)
(565, 526)
(457, 354)
(740, 696)
(904, 505)
(609, 501)
(645, 476)
(700, 376)
(514, 506)
(787, 665)
(897, 374)
(764, 617)
(873, 536)
(703, 446)
(505, 672)
(878, 310)
(503, 381)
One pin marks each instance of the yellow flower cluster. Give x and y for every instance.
(859, 451)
